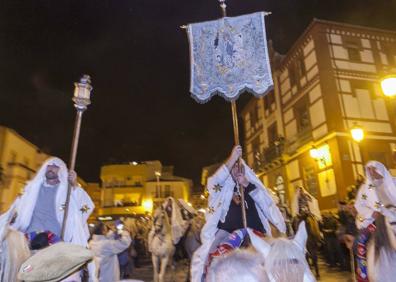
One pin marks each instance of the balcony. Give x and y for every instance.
(299, 140)
(271, 156)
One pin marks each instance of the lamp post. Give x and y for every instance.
(81, 99)
(158, 192)
(357, 134)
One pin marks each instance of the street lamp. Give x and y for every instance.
(388, 85)
(357, 133)
(158, 175)
(81, 99)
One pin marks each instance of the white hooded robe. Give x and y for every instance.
(221, 189)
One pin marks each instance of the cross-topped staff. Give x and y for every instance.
(228, 57)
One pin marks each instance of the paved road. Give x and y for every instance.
(145, 273)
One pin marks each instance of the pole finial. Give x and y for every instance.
(223, 7)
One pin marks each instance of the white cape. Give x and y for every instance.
(221, 189)
(81, 205)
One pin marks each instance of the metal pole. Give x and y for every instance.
(72, 164)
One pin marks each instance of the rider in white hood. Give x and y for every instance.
(224, 209)
(376, 193)
(41, 207)
(178, 224)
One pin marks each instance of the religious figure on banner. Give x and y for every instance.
(228, 56)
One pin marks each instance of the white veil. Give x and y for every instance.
(178, 224)
(386, 191)
(312, 204)
(28, 200)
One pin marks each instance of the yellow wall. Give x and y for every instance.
(19, 159)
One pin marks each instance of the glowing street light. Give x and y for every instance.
(388, 85)
(314, 153)
(148, 205)
(357, 133)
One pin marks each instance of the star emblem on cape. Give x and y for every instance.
(364, 197)
(378, 205)
(84, 209)
(217, 188)
(211, 210)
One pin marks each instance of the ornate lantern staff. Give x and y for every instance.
(229, 56)
(81, 99)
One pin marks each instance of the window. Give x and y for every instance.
(254, 115)
(353, 53)
(256, 153)
(389, 54)
(292, 76)
(272, 132)
(168, 191)
(302, 117)
(269, 99)
(300, 65)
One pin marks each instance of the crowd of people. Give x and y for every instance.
(359, 237)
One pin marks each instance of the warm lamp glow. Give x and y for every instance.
(357, 133)
(148, 205)
(389, 86)
(314, 153)
(322, 155)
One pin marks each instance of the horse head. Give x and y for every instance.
(161, 221)
(285, 258)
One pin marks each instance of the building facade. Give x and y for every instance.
(137, 188)
(19, 160)
(327, 84)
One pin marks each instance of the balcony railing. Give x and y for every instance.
(273, 152)
(299, 140)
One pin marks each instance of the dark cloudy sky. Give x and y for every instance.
(139, 62)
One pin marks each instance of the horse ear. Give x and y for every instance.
(301, 236)
(259, 244)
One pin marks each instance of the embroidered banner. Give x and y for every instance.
(229, 56)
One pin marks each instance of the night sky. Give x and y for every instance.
(138, 59)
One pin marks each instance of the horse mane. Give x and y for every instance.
(167, 225)
(285, 260)
(241, 265)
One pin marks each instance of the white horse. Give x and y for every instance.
(14, 249)
(381, 249)
(272, 260)
(161, 244)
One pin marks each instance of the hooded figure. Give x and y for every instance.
(377, 192)
(178, 224)
(303, 200)
(30, 210)
(221, 187)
